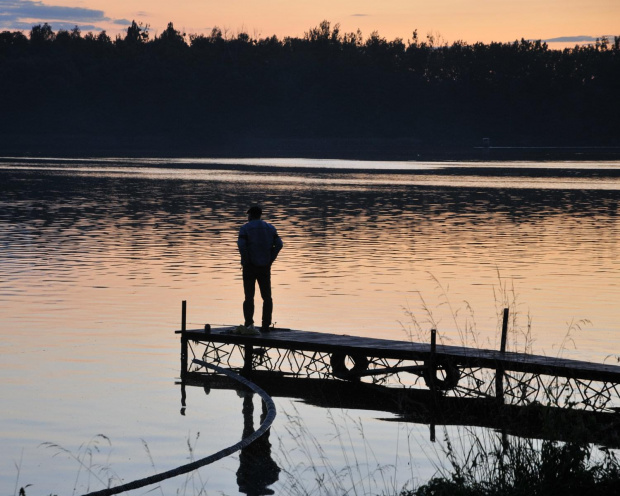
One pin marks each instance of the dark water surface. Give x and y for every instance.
(96, 257)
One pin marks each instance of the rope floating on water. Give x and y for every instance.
(184, 469)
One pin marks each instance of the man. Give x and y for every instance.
(259, 245)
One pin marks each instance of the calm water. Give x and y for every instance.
(96, 257)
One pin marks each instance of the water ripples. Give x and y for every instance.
(362, 247)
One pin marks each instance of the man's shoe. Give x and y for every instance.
(246, 330)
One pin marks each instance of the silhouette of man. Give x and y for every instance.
(259, 245)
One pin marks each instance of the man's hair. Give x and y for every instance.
(255, 211)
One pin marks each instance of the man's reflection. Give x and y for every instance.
(257, 470)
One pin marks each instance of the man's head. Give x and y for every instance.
(255, 212)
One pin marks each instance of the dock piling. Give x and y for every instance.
(432, 364)
(499, 371)
(184, 364)
(504, 331)
(247, 359)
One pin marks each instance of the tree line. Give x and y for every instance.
(206, 89)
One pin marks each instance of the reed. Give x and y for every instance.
(492, 464)
(495, 465)
(469, 462)
(86, 456)
(309, 470)
(424, 316)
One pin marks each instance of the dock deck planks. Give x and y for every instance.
(405, 350)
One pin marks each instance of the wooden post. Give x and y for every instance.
(504, 331)
(247, 359)
(432, 363)
(183, 398)
(432, 374)
(499, 371)
(184, 369)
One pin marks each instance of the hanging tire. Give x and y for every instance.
(340, 369)
(448, 380)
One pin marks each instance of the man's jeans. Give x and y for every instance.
(252, 275)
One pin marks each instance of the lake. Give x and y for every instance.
(98, 254)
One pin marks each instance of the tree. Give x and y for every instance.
(12, 40)
(171, 36)
(41, 34)
(76, 33)
(324, 33)
(103, 38)
(137, 33)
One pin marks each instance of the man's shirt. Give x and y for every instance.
(259, 243)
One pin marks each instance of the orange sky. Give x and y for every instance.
(468, 20)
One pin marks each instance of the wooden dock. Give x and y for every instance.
(355, 346)
(511, 378)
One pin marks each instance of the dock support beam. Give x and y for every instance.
(432, 374)
(432, 363)
(184, 365)
(247, 359)
(499, 372)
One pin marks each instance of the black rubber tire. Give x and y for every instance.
(340, 370)
(451, 379)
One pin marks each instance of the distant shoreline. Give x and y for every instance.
(311, 148)
(507, 163)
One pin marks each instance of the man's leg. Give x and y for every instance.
(249, 288)
(263, 276)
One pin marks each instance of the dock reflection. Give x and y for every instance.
(257, 469)
(415, 406)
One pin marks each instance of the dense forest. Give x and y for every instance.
(217, 90)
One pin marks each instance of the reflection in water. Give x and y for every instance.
(421, 406)
(257, 470)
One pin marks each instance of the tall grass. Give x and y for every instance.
(468, 462)
(309, 470)
(95, 472)
(497, 465)
(423, 316)
(90, 469)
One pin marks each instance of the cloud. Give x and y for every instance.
(575, 39)
(23, 14)
(360, 15)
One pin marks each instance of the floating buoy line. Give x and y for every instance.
(183, 469)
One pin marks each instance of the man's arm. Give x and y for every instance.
(276, 246)
(242, 244)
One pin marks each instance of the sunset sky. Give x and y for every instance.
(468, 20)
